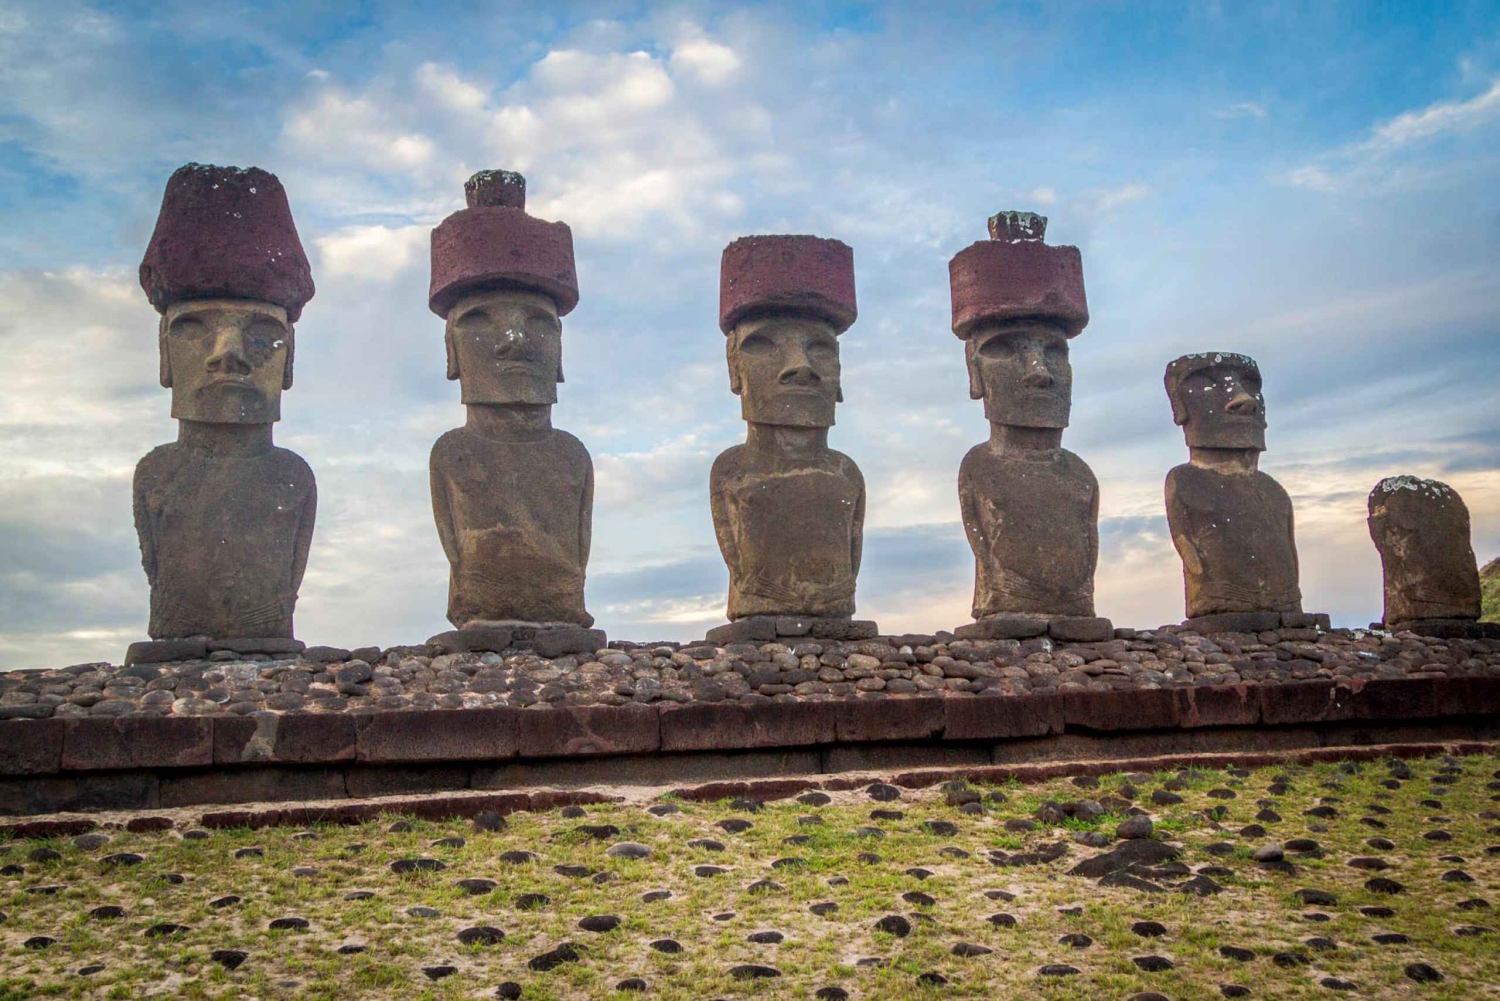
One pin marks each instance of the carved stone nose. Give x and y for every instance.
(1038, 377)
(510, 342)
(229, 355)
(1243, 403)
(799, 375)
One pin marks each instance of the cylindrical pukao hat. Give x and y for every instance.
(1015, 275)
(493, 243)
(226, 232)
(808, 274)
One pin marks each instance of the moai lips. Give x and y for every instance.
(225, 518)
(512, 495)
(1232, 524)
(1030, 507)
(788, 510)
(1421, 529)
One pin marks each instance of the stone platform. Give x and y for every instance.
(1065, 628)
(771, 628)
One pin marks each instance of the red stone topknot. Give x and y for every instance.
(493, 243)
(801, 273)
(226, 232)
(1015, 275)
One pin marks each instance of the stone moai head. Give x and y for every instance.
(1421, 530)
(1016, 304)
(227, 272)
(502, 280)
(1216, 399)
(783, 302)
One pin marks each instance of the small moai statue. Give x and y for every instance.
(513, 497)
(225, 518)
(1421, 530)
(1231, 523)
(1030, 507)
(788, 510)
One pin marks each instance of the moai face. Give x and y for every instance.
(1219, 404)
(785, 370)
(1021, 371)
(505, 346)
(226, 360)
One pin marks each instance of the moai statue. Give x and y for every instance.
(1421, 530)
(788, 510)
(225, 518)
(1030, 507)
(1231, 523)
(513, 496)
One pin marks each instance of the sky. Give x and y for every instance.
(1316, 185)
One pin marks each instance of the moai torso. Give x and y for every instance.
(224, 540)
(514, 518)
(1032, 521)
(1234, 533)
(790, 530)
(1421, 529)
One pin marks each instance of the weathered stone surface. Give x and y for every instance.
(100, 743)
(290, 739)
(458, 735)
(767, 628)
(1080, 629)
(31, 747)
(1131, 709)
(224, 517)
(258, 644)
(1003, 627)
(788, 511)
(163, 651)
(513, 497)
(1030, 507)
(1234, 622)
(1002, 718)
(1421, 530)
(588, 730)
(1232, 524)
(705, 727)
(889, 719)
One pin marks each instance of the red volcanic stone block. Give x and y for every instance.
(42, 829)
(97, 743)
(438, 735)
(726, 726)
(898, 718)
(1217, 705)
(566, 731)
(31, 747)
(296, 738)
(1304, 702)
(1001, 280)
(1126, 709)
(1002, 717)
(806, 274)
(148, 825)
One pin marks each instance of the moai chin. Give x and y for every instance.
(1231, 523)
(788, 510)
(1421, 530)
(1030, 507)
(513, 497)
(225, 518)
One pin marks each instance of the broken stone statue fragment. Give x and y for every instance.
(1421, 530)
(225, 518)
(1030, 507)
(788, 510)
(1231, 523)
(513, 497)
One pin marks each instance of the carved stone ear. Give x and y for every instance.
(971, 362)
(291, 353)
(452, 355)
(165, 372)
(1179, 409)
(839, 396)
(560, 379)
(732, 353)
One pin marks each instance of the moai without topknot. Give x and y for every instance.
(513, 497)
(788, 510)
(225, 518)
(1421, 530)
(1030, 507)
(1231, 523)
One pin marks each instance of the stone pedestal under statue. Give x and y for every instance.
(1421, 530)
(1232, 524)
(788, 510)
(512, 496)
(1030, 507)
(224, 517)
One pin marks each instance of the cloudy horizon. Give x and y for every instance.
(1317, 188)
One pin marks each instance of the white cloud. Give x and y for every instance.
(709, 61)
(1044, 196)
(1242, 109)
(337, 128)
(1113, 198)
(370, 253)
(1437, 119)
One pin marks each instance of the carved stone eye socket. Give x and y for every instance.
(474, 320)
(188, 327)
(541, 325)
(998, 347)
(756, 344)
